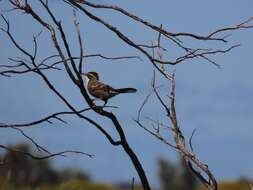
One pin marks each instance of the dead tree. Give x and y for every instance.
(65, 60)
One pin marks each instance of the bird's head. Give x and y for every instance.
(92, 75)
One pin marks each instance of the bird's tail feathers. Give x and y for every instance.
(126, 90)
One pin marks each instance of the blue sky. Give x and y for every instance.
(218, 103)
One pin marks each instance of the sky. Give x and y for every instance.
(217, 102)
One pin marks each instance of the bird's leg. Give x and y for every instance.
(93, 102)
(105, 103)
(95, 107)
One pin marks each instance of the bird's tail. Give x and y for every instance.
(126, 90)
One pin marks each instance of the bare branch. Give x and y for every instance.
(92, 56)
(74, 65)
(29, 10)
(18, 68)
(143, 104)
(39, 147)
(7, 31)
(242, 25)
(190, 52)
(157, 135)
(190, 140)
(36, 44)
(189, 157)
(152, 46)
(159, 97)
(45, 119)
(47, 156)
(79, 40)
(180, 146)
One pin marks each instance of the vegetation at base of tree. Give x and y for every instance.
(241, 184)
(86, 185)
(176, 176)
(20, 172)
(68, 185)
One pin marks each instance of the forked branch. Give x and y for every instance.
(75, 76)
(44, 157)
(179, 144)
(65, 60)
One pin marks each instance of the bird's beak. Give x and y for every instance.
(85, 74)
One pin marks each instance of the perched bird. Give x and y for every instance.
(103, 91)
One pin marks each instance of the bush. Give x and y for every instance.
(232, 185)
(83, 185)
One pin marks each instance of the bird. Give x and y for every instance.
(101, 90)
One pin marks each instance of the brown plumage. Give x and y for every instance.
(103, 91)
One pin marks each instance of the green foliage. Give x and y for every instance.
(232, 185)
(70, 174)
(81, 185)
(187, 180)
(4, 184)
(21, 170)
(176, 176)
(167, 174)
(69, 185)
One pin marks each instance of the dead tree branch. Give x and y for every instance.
(44, 157)
(65, 60)
(77, 80)
(209, 37)
(179, 145)
(188, 155)
(173, 37)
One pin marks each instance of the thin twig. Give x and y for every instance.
(62, 153)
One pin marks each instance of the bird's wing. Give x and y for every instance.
(99, 86)
(101, 90)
